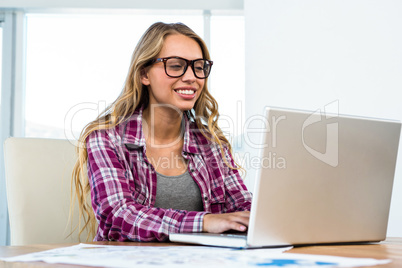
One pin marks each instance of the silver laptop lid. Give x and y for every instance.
(324, 178)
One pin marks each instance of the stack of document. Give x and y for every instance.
(186, 256)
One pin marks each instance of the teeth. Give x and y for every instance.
(185, 91)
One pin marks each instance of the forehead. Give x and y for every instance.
(181, 46)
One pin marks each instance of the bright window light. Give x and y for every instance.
(77, 65)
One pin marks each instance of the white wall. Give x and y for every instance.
(306, 54)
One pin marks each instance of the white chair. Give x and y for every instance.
(38, 183)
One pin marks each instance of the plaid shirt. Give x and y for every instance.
(123, 184)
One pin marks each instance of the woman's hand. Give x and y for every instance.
(219, 223)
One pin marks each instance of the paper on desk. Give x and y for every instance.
(186, 256)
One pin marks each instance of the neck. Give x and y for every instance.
(162, 125)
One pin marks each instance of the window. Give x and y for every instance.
(3, 199)
(77, 65)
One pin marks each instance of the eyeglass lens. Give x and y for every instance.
(176, 67)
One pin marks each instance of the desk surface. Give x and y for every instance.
(389, 249)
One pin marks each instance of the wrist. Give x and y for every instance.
(204, 222)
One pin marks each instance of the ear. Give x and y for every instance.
(144, 77)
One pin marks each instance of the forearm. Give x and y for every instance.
(139, 223)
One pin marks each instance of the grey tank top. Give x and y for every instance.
(178, 192)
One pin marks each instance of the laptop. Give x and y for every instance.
(323, 178)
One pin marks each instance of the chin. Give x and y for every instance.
(184, 108)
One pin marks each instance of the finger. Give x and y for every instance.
(245, 214)
(238, 227)
(242, 228)
(238, 223)
(242, 219)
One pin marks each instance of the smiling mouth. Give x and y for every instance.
(185, 91)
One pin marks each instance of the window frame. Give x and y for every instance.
(12, 98)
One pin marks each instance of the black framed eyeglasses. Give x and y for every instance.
(177, 66)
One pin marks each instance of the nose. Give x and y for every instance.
(189, 75)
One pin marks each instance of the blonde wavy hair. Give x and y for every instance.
(133, 96)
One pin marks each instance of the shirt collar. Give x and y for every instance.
(133, 135)
(191, 132)
(132, 130)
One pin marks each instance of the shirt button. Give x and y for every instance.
(192, 170)
(206, 198)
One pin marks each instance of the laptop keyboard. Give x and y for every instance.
(236, 235)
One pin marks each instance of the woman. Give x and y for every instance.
(156, 159)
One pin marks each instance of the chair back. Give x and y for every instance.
(38, 184)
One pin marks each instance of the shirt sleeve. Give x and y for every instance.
(238, 198)
(121, 210)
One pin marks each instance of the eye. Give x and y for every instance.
(175, 67)
(175, 64)
(199, 67)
